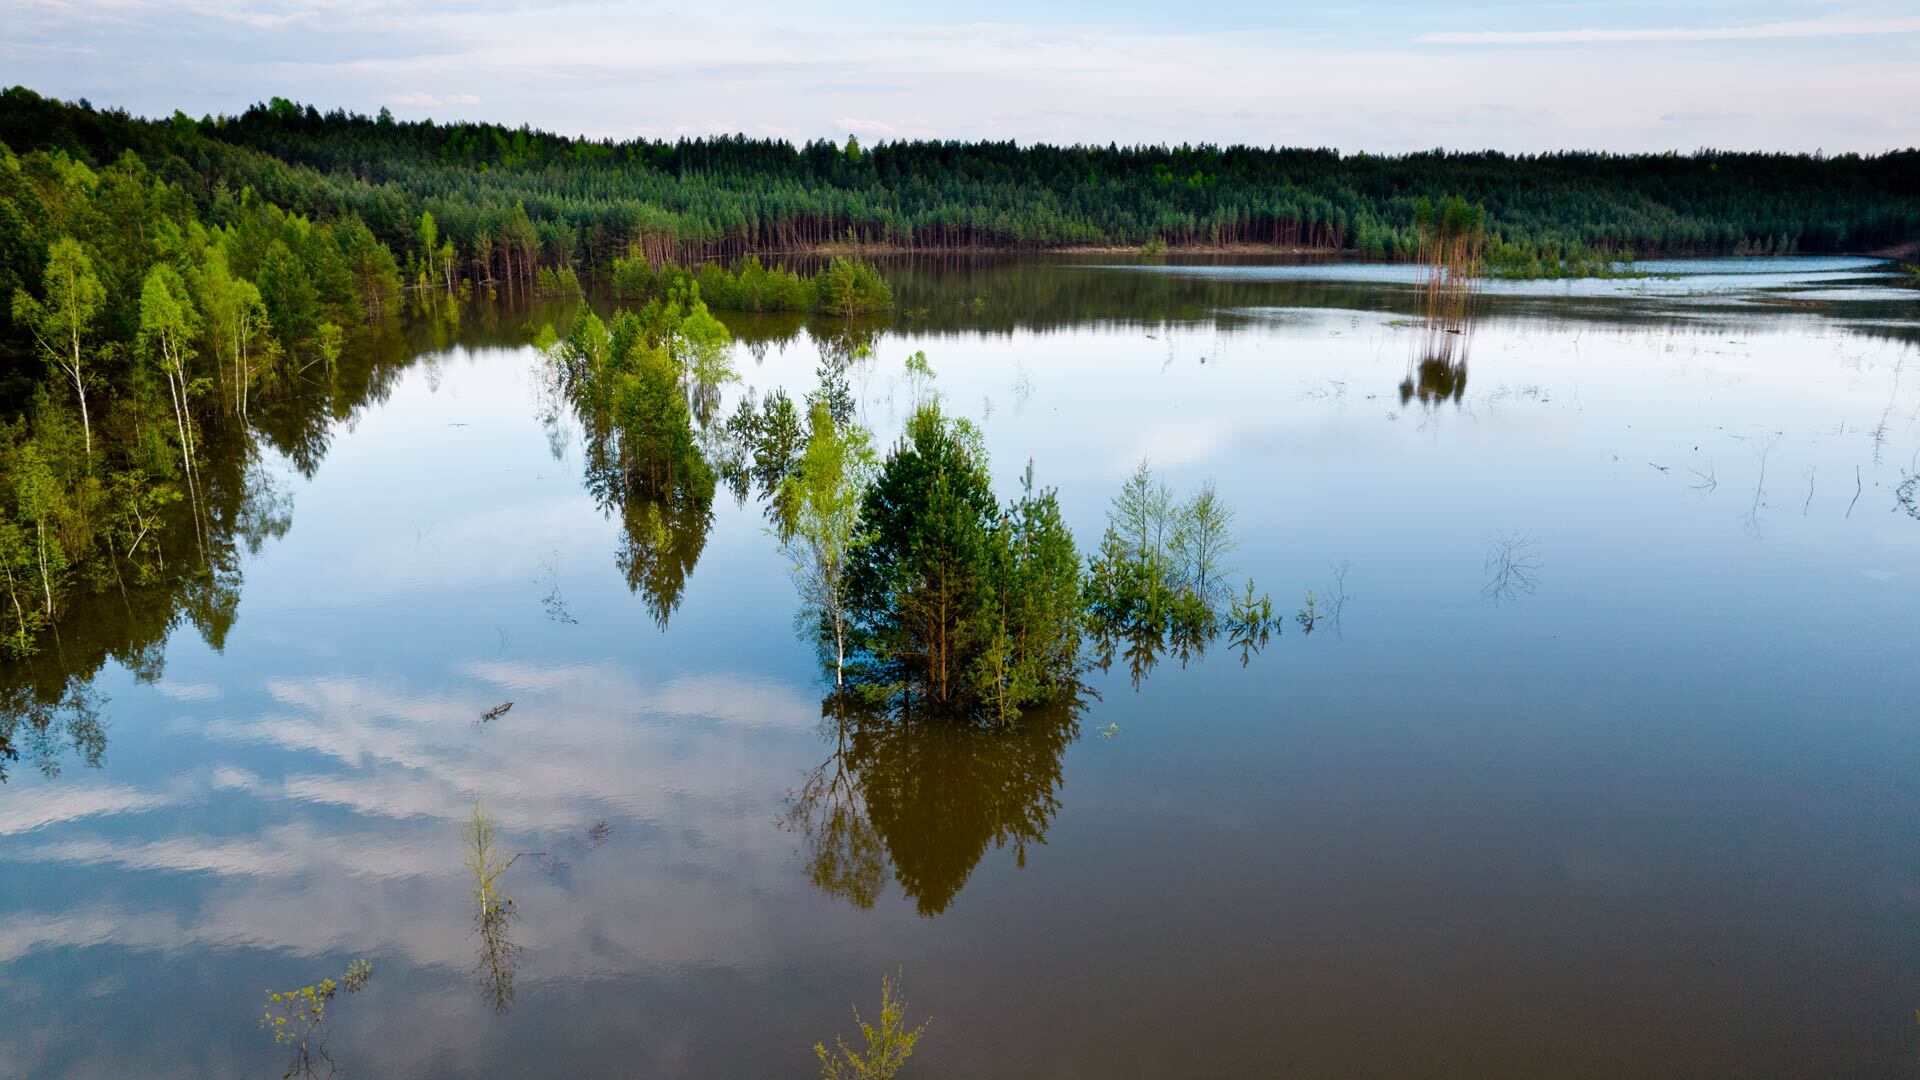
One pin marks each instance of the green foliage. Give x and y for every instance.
(484, 862)
(1034, 614)
(844, 287)
(1157, 582)
(63, 323)
(847, 288)
(956, 605)
(1202, 539)
(820, 497)
(136, 297)
(298, 1018)
(763, 444)
(511, 200)
(494, 910)
(920, 377)
(920, 581)
(1556, 260)
(1309, 614)
(561, 282)
(888, 1046)
(1452, 236)
(1250, 622)
(631, 382)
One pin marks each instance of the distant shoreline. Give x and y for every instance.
(845, 249)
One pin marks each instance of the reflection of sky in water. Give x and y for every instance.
(1616, 812)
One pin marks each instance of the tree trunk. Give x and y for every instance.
(46, 583)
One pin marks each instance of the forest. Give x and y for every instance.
(508, 201)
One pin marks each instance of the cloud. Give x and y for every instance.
(423, 100)
(1803, 28)
(1368, 81)
(56, 805)
(186, 691)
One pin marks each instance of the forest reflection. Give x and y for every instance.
(922, 801)
(175, 563)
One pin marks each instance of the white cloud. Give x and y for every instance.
(1804, 28)
(55, 805)
(762, 70)
(423, 100)
(185, 691)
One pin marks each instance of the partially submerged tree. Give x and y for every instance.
(956, 604)
(1157, 582)
(888, 1046)
(823, 494)
(920, 583)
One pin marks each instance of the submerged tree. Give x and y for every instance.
(1034, 608)
(954, 603)
(298, 1018)
(889, 1045)
(920, 582)
(493, 909)
(1157, 583)
(1453, 238)
(823, 496)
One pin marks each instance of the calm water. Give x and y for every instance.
(1648, 803)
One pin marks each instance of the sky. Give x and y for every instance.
(1373, 75)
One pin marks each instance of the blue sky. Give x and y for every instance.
(1386, 75)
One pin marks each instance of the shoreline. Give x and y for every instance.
(844, 248)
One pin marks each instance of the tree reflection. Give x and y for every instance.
(150, 576)
(1439, 368)
(1438, 372)
(637, 385)
(926, 799)
(662, 533)
(43, 729)
(494, 910)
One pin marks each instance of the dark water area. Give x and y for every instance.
(1600, 758)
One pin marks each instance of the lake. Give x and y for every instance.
(1595, 754)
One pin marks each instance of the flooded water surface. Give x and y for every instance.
(1586, 745)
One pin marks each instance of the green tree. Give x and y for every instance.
(63, 323)
(38, 503)
(168, 326)
(824, 493)
(1202, 539)
(888, 1046)
(427, 235)
(292, 301)
(920, 582)
(1036, 606)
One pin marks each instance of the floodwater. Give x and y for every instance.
(1602, 757)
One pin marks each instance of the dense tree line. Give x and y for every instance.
(508, 201)
(844, 287)
(152, 335)
(144, 329)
